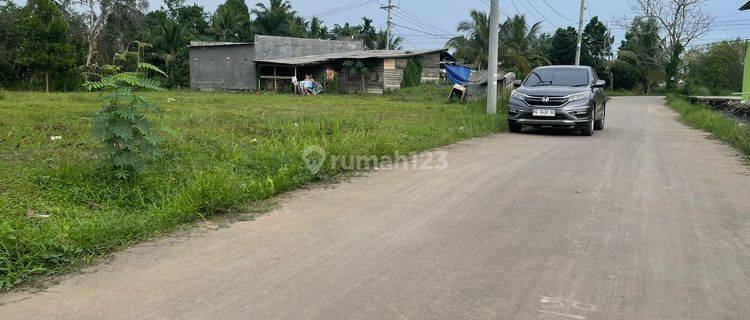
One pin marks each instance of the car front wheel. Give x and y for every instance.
(599, 124)
(514, 127)
(588, 130)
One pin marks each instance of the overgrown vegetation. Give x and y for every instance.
(358, 68)
(59, 209)
(716, 69)
(733, 132)
(412, 73)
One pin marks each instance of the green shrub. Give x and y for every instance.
(126, 134)
(331, 86)
(412, 74)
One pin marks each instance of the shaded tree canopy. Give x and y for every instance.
(563, 46)
(642, 50)
(716, 70)
(45, 47)
(596, 46)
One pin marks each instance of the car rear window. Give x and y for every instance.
(566, 77)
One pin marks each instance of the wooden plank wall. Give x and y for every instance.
(389, 73)
(392, 73)
(431, 67)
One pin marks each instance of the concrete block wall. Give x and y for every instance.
(229, 67)
(271, 47)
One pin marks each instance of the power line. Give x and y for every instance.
(421, 31)
(543, 17)
(420, 25)
(715, 42)
(515, 7)
(529, 12)
(557, 12)
(402, 37)
(423, 21)
(344, 8)
(504, 12)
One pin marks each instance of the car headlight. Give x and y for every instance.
(517, 95)
(579, 96)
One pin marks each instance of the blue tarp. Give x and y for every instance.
(458, 74)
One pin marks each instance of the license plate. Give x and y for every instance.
(543, 112)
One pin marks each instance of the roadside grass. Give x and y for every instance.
(59, 210)
(733, 132)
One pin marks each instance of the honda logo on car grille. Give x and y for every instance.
(545, 99)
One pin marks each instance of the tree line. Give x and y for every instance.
(652, 55)
(58, 44)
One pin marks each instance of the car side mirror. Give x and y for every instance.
(517, 83)
(600, 84)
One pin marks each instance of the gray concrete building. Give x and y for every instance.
(231, 65)
(271, 62)
(222, 66)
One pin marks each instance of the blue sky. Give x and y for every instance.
(427, 23)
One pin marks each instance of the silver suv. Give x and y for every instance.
(558, 96)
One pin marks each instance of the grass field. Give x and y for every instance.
(733, 132)
(59, 209)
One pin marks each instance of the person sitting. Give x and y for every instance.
(312, 85)
(309, 85)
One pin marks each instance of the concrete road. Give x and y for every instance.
(648, 219)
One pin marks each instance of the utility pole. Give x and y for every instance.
(580, 34)
(390, 23)
(492, 61)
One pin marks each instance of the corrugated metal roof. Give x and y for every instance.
(216, 44)
(358, 55)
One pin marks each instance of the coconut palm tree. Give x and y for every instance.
(517, 41)
(395, 41)
(225, 23)
(317, 29)
(517, 45)
(171, 41)
(298, 27)
(472, 47)
(275, 19)
(641, 52)
(345, 32)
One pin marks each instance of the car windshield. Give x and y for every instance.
(566, 77)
